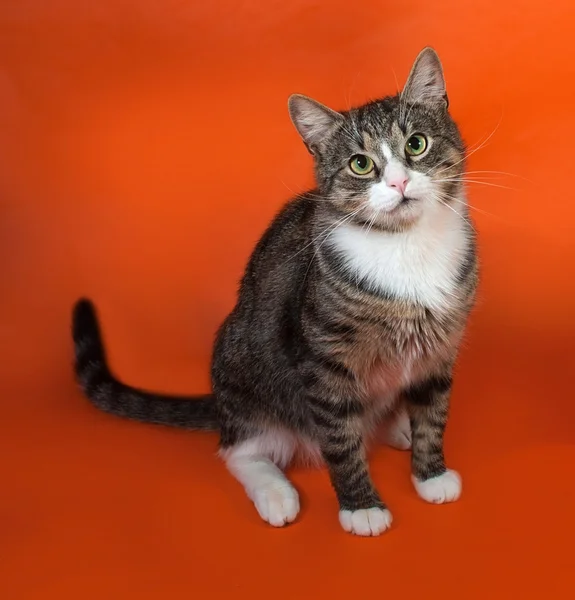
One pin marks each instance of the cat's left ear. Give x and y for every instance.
(314, 122)
(426, 84)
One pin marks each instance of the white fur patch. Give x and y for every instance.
(381, 195)
(441, 489)
(419, 265)
(386, 198)
(386, 151)
(278, 446)
(274, 497)
(365, 522)
(254, 463)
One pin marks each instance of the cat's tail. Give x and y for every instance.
(112, 396)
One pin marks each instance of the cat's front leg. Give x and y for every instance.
(428, 407)
(338, 425)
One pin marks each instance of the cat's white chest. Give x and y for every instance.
(420, 265)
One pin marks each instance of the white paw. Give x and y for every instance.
(440, 489)
(367, 521)
(396, 430)
(277, 505)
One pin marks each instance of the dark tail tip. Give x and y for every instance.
(88, 345)
(109, 394)
(84, 321)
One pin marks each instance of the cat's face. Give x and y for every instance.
(388, 162)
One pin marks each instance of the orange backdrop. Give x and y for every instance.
(144, 146)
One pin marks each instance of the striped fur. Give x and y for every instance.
(349, 317)
(112, 396)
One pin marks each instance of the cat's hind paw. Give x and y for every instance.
(277, 505)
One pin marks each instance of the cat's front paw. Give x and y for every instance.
(441, 489)
(366, 521)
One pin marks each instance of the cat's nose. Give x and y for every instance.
(398, 183)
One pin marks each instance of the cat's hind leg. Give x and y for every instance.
(257, 464)
(395, 429)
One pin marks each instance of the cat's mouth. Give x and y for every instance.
(405, 202)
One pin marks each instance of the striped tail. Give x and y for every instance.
(112, 396)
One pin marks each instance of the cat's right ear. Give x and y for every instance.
(313, 121)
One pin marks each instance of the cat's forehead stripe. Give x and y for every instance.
(386, 151)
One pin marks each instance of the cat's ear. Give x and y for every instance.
(313, 121)
(426, 83)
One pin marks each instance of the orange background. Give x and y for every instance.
(145, 145)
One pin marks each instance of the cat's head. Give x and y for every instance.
(388, 162)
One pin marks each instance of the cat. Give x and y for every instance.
(349, 315)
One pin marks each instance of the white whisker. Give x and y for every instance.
(395, 78)
(331, 230)
(466, 180)
(326, 232)
(469, 152)
(441, 201)
(349, 100)
(303, 192)
(446, 196)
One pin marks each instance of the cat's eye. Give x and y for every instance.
(416, 145)
(361, 164)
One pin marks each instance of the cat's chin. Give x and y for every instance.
(402, 217)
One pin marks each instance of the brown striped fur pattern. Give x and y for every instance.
(349, 316)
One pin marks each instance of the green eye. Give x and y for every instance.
(416, 145)
(361, 164)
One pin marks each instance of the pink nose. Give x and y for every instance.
(398, 183)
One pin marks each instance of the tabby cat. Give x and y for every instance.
(349, 315)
